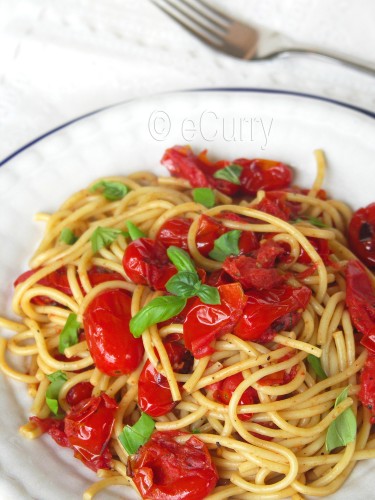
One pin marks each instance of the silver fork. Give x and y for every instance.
(236, 39)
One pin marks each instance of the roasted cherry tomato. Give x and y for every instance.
(225, 388)
(59, 281)
(174, 232)
(367, 391)
(281, 377)
(321, 246)
(146, 263)
(275, 203)
(360, 300)
(263, 174)
(166, 470)
(154, 394)
(209, 229)
(205, 322)
(106, 324)
(246, 271)
(362, 234)
(88, 427)
(198, 170)
(79, 392)
(270, 311)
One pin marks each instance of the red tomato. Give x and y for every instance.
(146, 263)
(360, 300)
(269, 311)
(209, 229)
(362, 234)
(106, 324)
(166, 470)
(281, 377)
(174, 232)
(275, 203)
(205, 322)
(367, 391)
(88, 427)
(79, 392)
(246, 271)
(154, 394)
(321, 246)
(226, 388)
(263, 174)
(59, 281)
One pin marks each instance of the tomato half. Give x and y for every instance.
(362, 234)
(205, 322)
(106, 324)
(166, 470)
(360, 300)
(154, 394)
(146, 263)
(263, 174)
(270, 311)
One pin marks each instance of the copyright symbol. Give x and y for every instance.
(159, 125)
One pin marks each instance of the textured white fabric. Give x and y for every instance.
(63, 58)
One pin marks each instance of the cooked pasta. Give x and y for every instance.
(261, 403)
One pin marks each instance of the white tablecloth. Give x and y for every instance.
(60, 59)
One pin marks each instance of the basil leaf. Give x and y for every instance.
(69, 334)
(103, 236)
(159, 309)
(132, 438)
(67, 236)
(134, 232)
(57, 380)
(226, 245)
(196, 431)
(313, 220)
(181, 259)
(315, 364)
(342, 430)
(111, 190)
(231, 173)
(208, 294)
(204, 196)
(183, 284)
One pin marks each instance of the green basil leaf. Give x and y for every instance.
(315, 364)
(57, 380)
(204, 196)
(69, 334)
(208, 294)
(313, 220)
(133, 437)
(159, 309)
(196, 431)
(134, 232)
(103, 236)
(67, 236)
(231, 173)
(183, 284)
(111, 190)
(226, 245)
(181, 259)
(342, 430)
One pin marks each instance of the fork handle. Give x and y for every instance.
(370, 70)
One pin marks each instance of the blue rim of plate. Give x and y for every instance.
(254, 90)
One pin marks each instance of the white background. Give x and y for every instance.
(62, 58)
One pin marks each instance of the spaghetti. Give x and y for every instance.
(256, 406)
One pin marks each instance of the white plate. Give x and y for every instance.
(133, 136)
